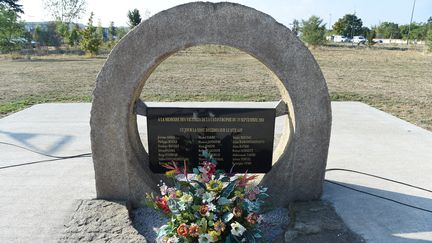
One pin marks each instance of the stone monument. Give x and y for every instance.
(121, 163)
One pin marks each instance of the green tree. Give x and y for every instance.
(388, 30)
(370, 36)
(313, 31)
(37, 34)
(134, 18)
(11, 29)
(74, 36)
(12, 5)
(63, 31)
(295, 27)
(122, 31)
(417, 31)
(90, 42)
(112, 31)
(429, 35)
(52, 36)
(100, 32)
(349, 25)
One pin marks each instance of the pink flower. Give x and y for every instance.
(252, 196)
(252, 218)
(205, 177)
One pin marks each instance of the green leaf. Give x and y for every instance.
(205, 154)
(199, 183)
(249, 237)
(195, 171)
(223, 201)
(228, 238)
(236, 238)
(165, 229)
(263, 196)
(229, 189)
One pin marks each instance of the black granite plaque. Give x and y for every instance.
(238, 138)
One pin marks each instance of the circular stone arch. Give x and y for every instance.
(120, 160)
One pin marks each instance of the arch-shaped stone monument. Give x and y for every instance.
(120, 160)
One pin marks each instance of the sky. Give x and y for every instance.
(372, 12)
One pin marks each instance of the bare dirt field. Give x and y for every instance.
(395, 81)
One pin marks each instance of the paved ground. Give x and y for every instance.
(371, 141)
(37, 198)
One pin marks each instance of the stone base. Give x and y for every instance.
(101, 221)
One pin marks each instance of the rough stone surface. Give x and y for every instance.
(121, 162)
(101, 221)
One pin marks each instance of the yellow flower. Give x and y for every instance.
(214, 235)
(186, 198)
(171, 173)
(219, 226)
(179, 193)
(214, 185)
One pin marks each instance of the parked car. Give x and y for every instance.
(340, 38)
(359, 39)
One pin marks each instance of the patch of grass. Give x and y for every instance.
(24, 102)
(395, 81)
(212, 97)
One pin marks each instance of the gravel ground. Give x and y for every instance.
(105, 221)
(147, 221)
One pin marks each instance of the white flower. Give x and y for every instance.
(182, 206)
(205, 238)
(207, 197)
(260, 219)
(211, 207)
(173, 239)
(163, 189)
(237, 229)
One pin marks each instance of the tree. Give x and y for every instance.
(112, 31)
(134, 18)
(37, 34)
(12, 5)
(388, 30)
(74, 36)
(63, 31)
(66, 10)
(416, 31)
(371, 35)
(313, 31)
(295, 27)
(121, 31)
(11, 29)
(349, 25)
(90, 41)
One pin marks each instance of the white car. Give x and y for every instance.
(359, 39)
(340, 38)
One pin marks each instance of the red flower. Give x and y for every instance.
(193, 230)
(245, 179)
(209, 167)
(203, 210)
(182, 230)
(162, 203)
(237, 211)
(252, 218)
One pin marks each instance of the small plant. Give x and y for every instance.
(209, 205)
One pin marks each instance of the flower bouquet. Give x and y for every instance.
(208, 205)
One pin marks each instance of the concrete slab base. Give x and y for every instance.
(39, 196)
